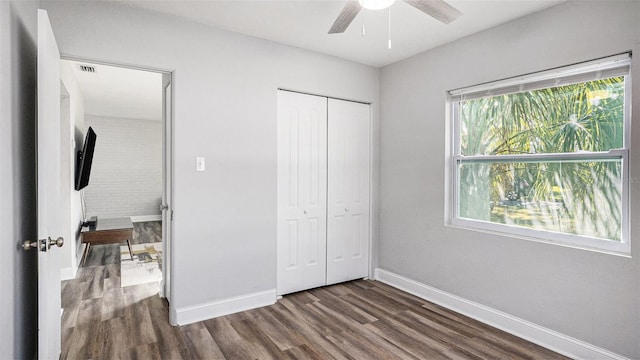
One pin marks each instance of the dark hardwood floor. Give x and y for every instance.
(354, 320)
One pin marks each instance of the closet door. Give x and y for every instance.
(348, 191)
(302, 191)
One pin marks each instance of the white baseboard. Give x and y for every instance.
(542, 336)
(191, 314)
(143, 218)
(68, 273)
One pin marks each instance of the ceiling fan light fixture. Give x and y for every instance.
(376, 4)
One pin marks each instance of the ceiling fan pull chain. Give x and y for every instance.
(362, 22)
(389, 27)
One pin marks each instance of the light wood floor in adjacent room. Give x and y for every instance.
(355, 320)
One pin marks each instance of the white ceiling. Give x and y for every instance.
(120, 92)
(304, 23)
(127, 93)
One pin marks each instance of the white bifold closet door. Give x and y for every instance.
(348, 191)
(323, 191)
(302, 191)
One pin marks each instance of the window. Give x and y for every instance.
(545, 156)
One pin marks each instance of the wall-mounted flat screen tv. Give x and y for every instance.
(84, 160)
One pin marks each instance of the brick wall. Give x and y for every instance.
(126, 176)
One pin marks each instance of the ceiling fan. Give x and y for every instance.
(437, 9)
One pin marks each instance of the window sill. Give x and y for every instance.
(465, 226)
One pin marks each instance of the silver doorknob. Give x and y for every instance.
(43, 244)
(305, 212)
(346, 210)
(57, 242)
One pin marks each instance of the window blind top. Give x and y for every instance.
(610, 67)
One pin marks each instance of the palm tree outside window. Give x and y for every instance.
(544, 155)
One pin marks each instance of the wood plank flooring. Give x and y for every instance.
(354, 320)
(147, 232)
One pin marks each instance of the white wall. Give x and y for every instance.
(72, 139)
(126, 175)
(587, 295)
(18, 268)
(225, 106)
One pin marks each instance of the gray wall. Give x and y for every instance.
(126, 176)
(588, 295)
(225, 110)
(18, 269)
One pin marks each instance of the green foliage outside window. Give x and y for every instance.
(582, 197)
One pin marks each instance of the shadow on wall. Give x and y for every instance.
(22, 211)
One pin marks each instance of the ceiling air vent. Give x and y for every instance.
(87, 68)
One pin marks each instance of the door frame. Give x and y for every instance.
(373, 170)
(167, 157)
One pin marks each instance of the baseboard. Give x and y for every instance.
(542, 336)
(143, 218)
(192, 314)
(68, 273)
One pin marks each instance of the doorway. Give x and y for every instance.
(129, 109)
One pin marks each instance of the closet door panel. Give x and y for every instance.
(302, 174)
(348, 191)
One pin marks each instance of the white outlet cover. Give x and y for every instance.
(200, 164)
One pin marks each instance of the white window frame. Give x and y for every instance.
(618, 65)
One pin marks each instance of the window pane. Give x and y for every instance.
(587, 116)
(572, 197)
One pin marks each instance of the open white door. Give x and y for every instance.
(49, 173)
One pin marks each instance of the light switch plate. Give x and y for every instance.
(199, 163)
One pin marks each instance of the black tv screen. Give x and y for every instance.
(84, 160)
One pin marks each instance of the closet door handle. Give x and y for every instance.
(346, 210)
(304, 212)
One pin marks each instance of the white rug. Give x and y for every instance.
(146, 266)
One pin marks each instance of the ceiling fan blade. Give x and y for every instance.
(438, 9)
(348, 13)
